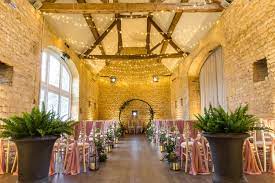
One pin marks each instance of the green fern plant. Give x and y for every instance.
(37, 123)
(217, 120)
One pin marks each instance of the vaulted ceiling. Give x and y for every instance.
(129, 30)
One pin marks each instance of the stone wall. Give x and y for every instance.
(112, 96)
(246, 32)
(23, 36)
(22, 51)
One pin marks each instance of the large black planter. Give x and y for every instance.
(226, 150)
(34, 156)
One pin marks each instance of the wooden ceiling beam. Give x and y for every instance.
(166, 37)
(133, 16)
(156, 46)
(100, 38)
(106, 8)
(134, 57)
(89, 20)
(148, 36)
(172, 27)
(50, 1)
(119, 38)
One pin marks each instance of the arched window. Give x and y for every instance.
(56, 83)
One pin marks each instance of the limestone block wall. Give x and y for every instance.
(20, 45)
(112, 96)
(246, 32)
(23, 36)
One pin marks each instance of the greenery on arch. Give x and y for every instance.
(125, 104)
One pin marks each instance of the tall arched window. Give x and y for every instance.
(56, 82)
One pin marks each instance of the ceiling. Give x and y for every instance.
(75, 31)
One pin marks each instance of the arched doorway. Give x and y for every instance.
(135, 114)
(211, 77)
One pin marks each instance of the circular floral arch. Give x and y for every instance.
(125, 104)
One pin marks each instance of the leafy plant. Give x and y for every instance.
(149, 131)
(162, 137)
(37, 123)
(103, 157)
(170, 145)
(118, 132)
(99, 144)
(172, 157)
(217, 120)
(110, 134)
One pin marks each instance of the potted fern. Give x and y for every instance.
(226, 132)
(34, 134)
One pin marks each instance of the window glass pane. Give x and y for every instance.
(64, 110)
(42, 98)
(54, 72)
(65, 80)
(52, 102)
(44, 67)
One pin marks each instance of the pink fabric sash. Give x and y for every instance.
(272, 157)
(77, 129)
(250, 163)
(197, 164)
(89, 127)
(2, 158)
(192, 131)
(180, 125)
(52, 170)
(72, 164)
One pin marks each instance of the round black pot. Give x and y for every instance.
(34, 156)
(226, 150)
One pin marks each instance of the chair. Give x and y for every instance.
(262, 146)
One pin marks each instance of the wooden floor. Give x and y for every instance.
(136, 161)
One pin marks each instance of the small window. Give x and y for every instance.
(260, 71)
(6, 73)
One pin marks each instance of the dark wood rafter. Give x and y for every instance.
(50, 1)
(148, 35)
(100, 38)
(119, 31)
(119, 38)
(133, 16)
(89, 20)
(165, 36)
(110, 8)
(104, 1)
(171, 28)
(133, 57)
(156, 46)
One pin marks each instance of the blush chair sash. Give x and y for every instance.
(250, 164)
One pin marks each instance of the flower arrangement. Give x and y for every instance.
(150, 132)
(162, 137)
(169, 147)
(99, 144)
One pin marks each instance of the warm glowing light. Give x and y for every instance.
(113, 79)
(155, 78)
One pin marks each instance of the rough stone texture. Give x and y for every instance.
(19, 49)
(246, 32)
(24, 35)
(112, 96)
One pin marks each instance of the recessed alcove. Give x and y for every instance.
(260, 70)
(6, 73)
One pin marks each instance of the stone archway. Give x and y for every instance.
(144, 108)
